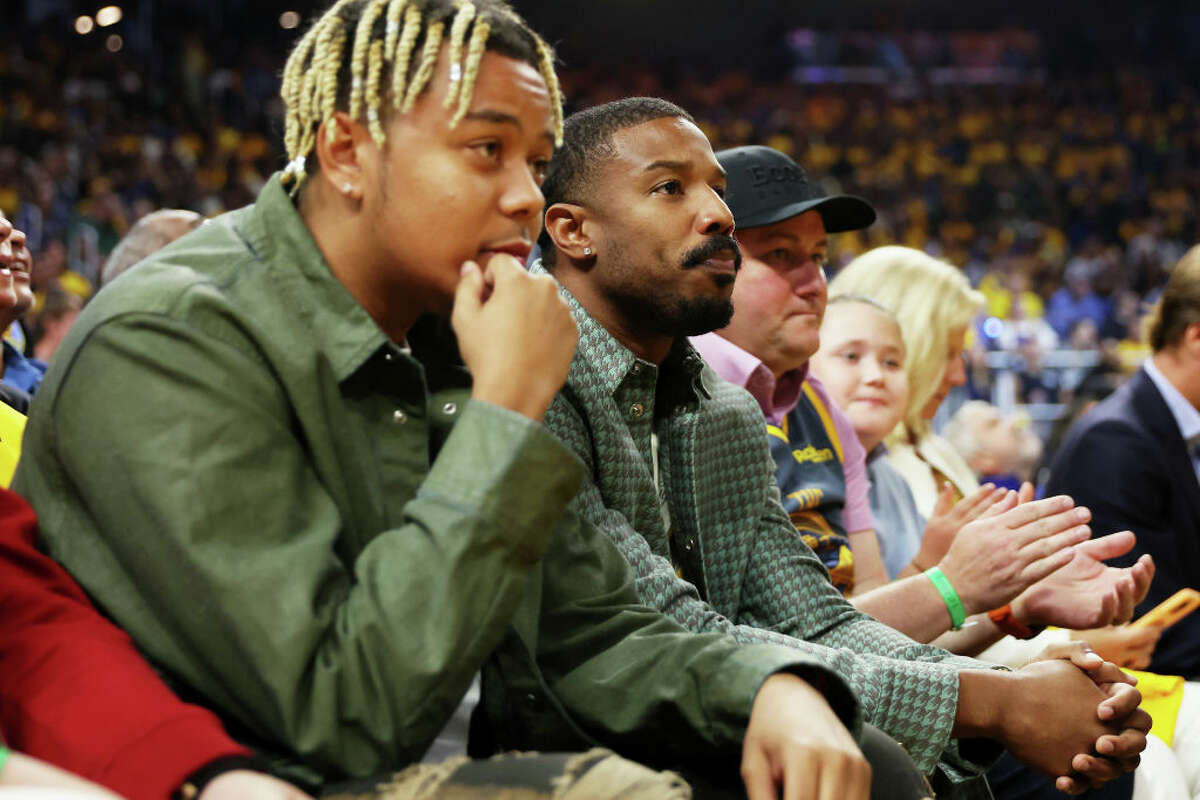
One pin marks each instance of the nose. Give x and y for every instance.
(714, 217)
(522, 198)
(808, 279)
(871, 371)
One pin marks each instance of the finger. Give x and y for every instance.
(1040, 569)
(1143, 574)
(801, 776)
(1072, 522)
(1069, 785)
(1096, 770)
(503, 268)
(1026, 493)
(1122, 706)
(756, 774)
(986, 507)
(1026, 513)
(1002, 501)
(1109, 673)
(854, 781)
(1124, 592)
(1125, 745)
(1080, 654)
(1114, 544)
(468, 296)
(945, 500)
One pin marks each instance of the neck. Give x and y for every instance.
(345, 241)
(1184, 376)
(778, 368)
(646, 345)
(870, 441)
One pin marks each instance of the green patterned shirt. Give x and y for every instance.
(744, 569)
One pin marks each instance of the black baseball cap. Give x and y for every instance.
(766, 186)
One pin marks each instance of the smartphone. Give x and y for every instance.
(1171, 610)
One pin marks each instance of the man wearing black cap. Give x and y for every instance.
(680, 476)
(783, 219)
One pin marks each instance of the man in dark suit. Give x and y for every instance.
(1133, 460)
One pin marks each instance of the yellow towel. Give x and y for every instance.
(1161, 698)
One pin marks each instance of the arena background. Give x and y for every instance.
(1051, 150)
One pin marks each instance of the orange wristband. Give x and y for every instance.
(1009, 624)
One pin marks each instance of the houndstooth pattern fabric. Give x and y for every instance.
(747, 571)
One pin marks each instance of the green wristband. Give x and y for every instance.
(958, 614)
(3, 755)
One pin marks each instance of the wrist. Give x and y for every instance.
(1024, 610)
(944, 585)
(196, 782)
(527, 404)
(983, 697)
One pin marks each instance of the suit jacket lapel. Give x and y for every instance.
(1152, 409)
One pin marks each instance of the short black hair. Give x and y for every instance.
(587, 141)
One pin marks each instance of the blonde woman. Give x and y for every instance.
(934, 305)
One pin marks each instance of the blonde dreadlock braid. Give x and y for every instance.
(458, 33)
(471, 70)
(358, 64)
(404, 48)
(314, 78)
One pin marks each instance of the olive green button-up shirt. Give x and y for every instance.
(322, 537)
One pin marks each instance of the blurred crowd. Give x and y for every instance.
(1064, 197)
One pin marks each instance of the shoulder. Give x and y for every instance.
(729, 400)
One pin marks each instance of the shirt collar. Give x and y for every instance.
(610, 362)
(742, 368)
(1185, 414)
(349, 336)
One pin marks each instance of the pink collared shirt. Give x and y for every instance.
(778, 397)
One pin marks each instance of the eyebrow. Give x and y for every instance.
(502, 118)
(677, 166)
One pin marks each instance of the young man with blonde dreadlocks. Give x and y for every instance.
(298, 455)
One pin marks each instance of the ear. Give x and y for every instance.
(345, 149)
(565, 225)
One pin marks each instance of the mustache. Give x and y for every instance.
(715, 246)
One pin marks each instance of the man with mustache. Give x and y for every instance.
(680, 474)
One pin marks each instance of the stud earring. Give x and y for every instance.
(347, 188)
(587, 251)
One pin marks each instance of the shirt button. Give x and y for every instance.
(688, 544)
(399, 417)
(449, 409)
(389, 356)
(637, 410)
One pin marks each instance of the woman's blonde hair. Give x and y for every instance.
(929, 299)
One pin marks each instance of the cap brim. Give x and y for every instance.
(841, 212)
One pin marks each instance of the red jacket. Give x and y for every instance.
(73, 689)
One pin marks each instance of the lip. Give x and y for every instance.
(519, 249)
(871, 401)
(724, 265)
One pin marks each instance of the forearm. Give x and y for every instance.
(910, 605)
(984, 698)
(978, 634)
(869, 572)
